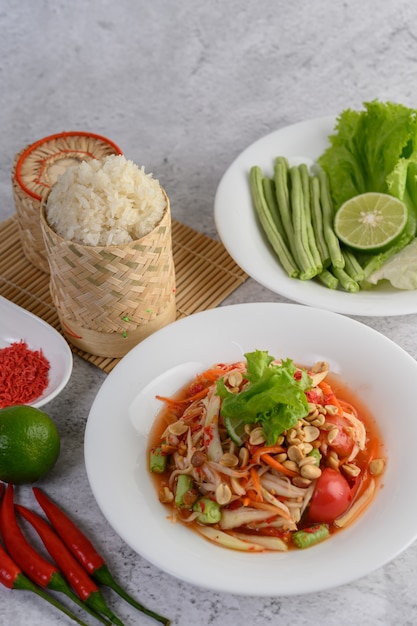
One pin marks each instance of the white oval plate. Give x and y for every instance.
(242, 236)
(116, 440)
(17, 324)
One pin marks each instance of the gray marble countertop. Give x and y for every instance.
(183, 87)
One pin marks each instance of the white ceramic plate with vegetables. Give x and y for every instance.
(243, 237)
(123, 413)
(18, 325)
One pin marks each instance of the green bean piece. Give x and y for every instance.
(157, 461)
(305, 185)
(328, 279)
(315, 452)
(333, 243)
(317, 221)
(300, 239)
(345, 280)
(268, 224)
(209, 511)
(352, 266)
(310, 536)
(184, 484)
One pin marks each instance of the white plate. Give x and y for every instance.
(123, 411)
(243, 238)
(17, 324)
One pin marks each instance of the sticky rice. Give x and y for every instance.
(105, 202)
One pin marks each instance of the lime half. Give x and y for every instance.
(236, 430)
(370, 222)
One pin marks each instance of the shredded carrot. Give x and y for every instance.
(277, 465)
(214, 373)
(266, 449)
(330, 396)
(175, 402)
(256, 483)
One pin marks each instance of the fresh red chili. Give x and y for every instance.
(76, 541)
(1, 490)
(39, 570)
(76, 575)
(12, 577)
(23, 374)
(85, 552)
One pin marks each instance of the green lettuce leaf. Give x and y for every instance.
(375, 149)
(274, 398)
(366, 147)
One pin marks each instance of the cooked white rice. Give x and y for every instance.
(104, 202)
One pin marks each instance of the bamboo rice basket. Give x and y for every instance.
(36, 168)
(110, 298)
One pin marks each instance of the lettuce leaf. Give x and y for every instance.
(366, 147)
(375, 149)
(274, 398)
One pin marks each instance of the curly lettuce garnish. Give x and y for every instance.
(274, 397)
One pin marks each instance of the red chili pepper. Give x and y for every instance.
(76, 575)
(12, 577)
(1, 490)
(37, 569)
(85, 552)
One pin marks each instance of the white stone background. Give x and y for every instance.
(183, 87)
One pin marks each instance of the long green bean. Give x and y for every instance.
(345, 280)
(333, 244)
(300, 241)
(312, 243)
(268, 185)
(283, 196)
(317, 221)
(352, 266)
(328, 279)
(272, 233)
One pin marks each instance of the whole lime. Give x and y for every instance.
(29, 444)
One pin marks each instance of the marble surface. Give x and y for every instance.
(183, 87)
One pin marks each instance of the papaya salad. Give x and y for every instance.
(264, 454)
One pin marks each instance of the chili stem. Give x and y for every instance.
(12, 577)
(104, 577)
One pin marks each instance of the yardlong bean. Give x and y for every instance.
(312, 243)
(302, 251)
(333, 244)
(296, 212)
(317, 221)
(274, 236)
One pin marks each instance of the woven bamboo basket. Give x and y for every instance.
(36, 168)
(110, 298)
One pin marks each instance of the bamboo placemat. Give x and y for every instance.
(205, 276)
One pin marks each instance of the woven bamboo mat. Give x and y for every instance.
(205, 276)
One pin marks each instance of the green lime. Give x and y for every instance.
(370, 222)
(236, 430)
(29, 444)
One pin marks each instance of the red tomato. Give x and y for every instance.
(343, 442)
(331, 497)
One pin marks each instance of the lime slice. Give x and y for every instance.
(236, 430)
(370, 222)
